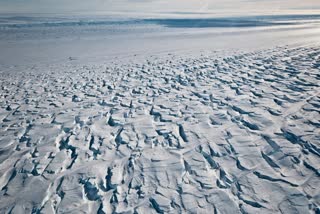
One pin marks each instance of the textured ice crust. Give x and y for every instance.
(172, 134)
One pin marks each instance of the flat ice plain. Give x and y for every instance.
(159, 115)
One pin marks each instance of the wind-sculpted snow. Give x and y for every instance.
(173, 134)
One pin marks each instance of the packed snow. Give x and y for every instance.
(160, 115)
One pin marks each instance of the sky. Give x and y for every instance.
(143, 6)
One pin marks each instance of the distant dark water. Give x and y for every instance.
(250, 21)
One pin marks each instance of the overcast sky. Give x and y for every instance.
(140, 6)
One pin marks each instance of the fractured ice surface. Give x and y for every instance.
(172, 134)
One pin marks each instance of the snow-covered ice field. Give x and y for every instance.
(160, 115)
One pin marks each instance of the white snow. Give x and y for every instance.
(159, 115)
